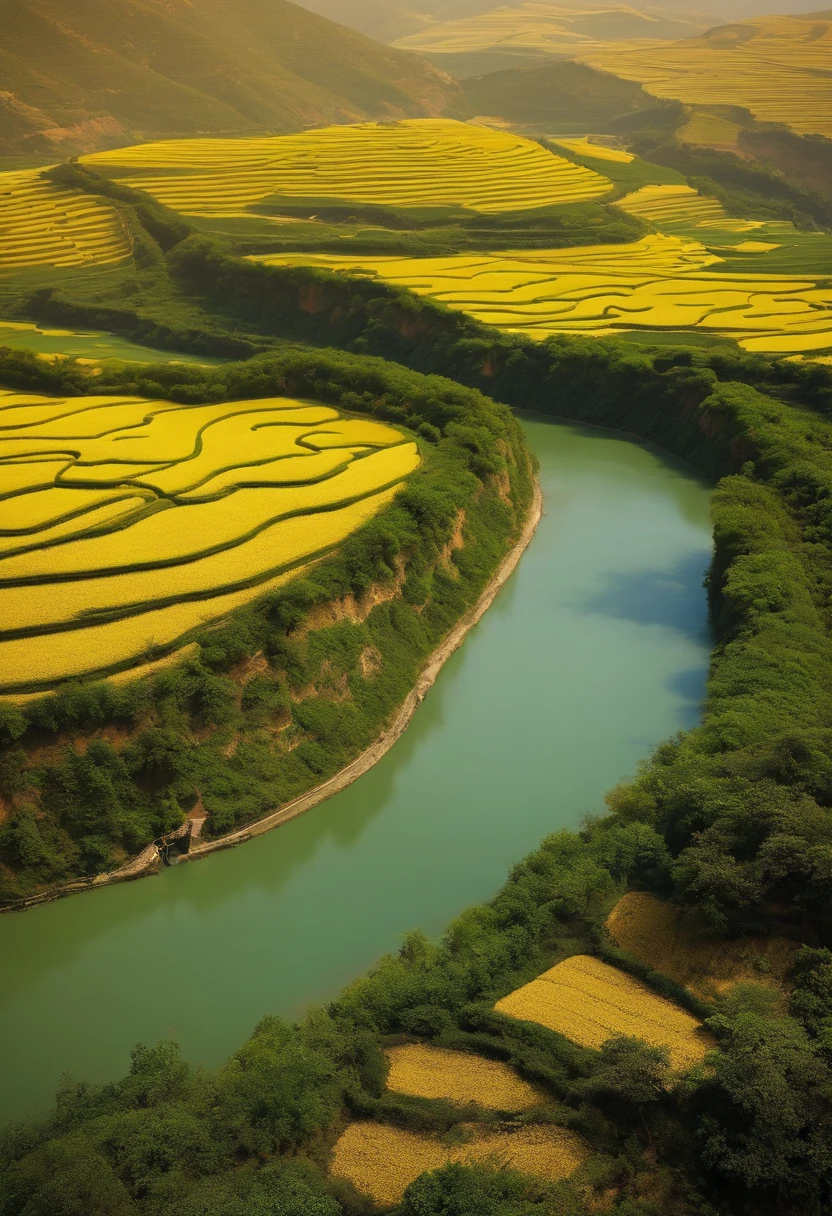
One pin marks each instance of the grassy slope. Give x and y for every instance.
(109, 73)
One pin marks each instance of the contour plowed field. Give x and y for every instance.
(540, 28)
(776, 67)
(413, 163)
(590, 1002)
(127, 523)
(660, 282)
(41, 225)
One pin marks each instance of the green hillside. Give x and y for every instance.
(105, 75)
(558, 95)
(387, 20)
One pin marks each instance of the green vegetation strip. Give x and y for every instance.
(731, 820)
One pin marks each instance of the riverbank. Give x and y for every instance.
(149, 861)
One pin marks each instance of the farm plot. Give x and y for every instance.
(539, 28)
(661, 282)
(666, 205)
(776, 67)
(128, 523)
(433, 1072)
(678, 210)
(657, 934)
(583, 147)
(590, 1002)
(413, 163)
(382, 1161)
(42, 225)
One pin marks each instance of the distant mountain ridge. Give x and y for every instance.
(93, 74)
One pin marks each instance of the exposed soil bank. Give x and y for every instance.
(149, 861)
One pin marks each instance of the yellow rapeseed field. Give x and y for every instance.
(432, 1072)
(533, 27)
(679, 204)
(660, 282)
(127, 523)
(43, 225)
(776, 67)
(657, 935)
(382, 1161)
(590, 1002)
(50, 657)
(412, 163)
(584, 147)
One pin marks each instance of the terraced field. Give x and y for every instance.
(590, 1002)
(668, 205)
(583, 147)
(42, 225)
(414, 163)
(128, 523)
(539, 28)
(382, 1161)
(661, 282)
(776, 67)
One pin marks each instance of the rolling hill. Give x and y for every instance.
(388, 20)
(511, 34)
(107, 74)
(778, 68)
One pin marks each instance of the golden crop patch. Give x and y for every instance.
(432, 1072)
(128, 523)
(382, 1161)
(44, 225)
(590, 1002)
(412, 163)
(657, 934)
(660, 282)
(584, 147)
(777, 67)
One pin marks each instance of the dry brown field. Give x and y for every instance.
(656, 934)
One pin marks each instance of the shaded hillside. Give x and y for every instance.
(555, 95)
(104, 74)
(388, 20)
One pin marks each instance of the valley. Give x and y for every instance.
(414, 468)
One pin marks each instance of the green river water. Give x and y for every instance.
(595, 651)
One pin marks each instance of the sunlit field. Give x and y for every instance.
(776, 67)
(382, 1161)
(661, 282)
(413, 163)
(424, 1071)
(128, 523)
(584, 147)
(590, 1002)
(42, 225)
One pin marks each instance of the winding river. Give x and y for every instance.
(595, 651)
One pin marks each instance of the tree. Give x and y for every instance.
(631, 1073)
(765, 1117)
